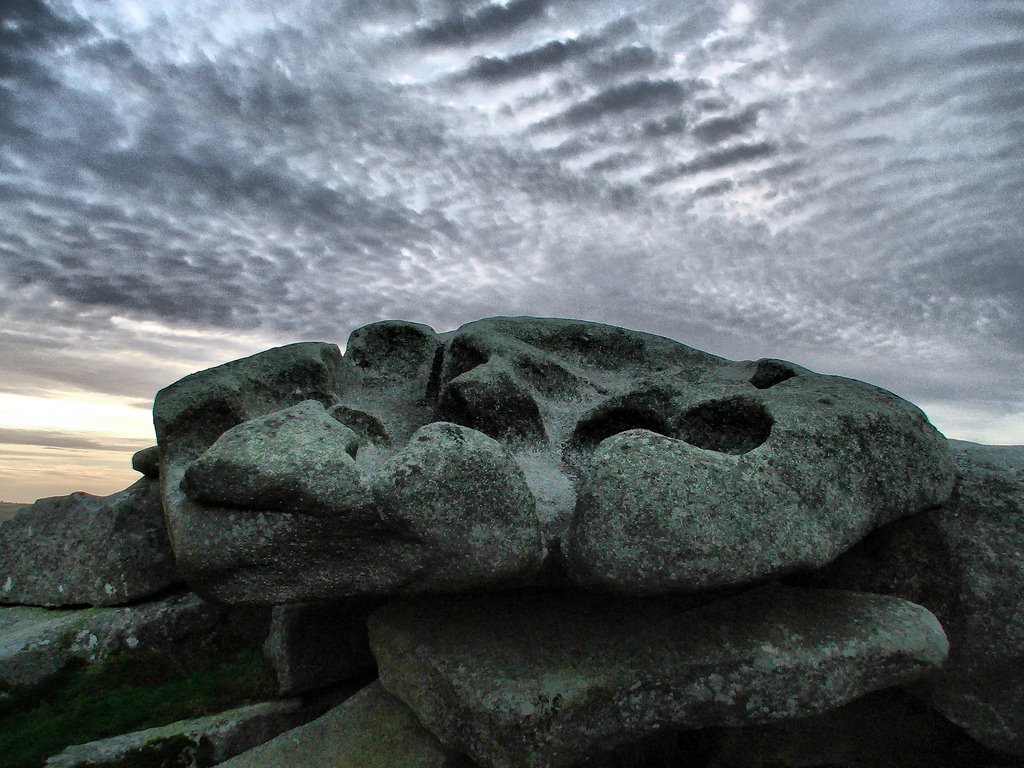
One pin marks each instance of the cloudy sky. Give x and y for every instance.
(183, 182)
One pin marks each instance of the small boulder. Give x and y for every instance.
(147, 461)
(549, 679)
(964, 562)
(370, 730)
(87, 550)
(298, 459)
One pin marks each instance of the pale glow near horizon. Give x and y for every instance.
(94, 414)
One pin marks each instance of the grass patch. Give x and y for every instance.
(122, 695)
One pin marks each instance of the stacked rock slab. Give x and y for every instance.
(523, 450)
(198, 743)
(548, 679)
(963, 561)
(370, 730)
(87, 550)
(37, 643)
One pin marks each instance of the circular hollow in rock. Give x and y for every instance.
(605, 423)
(735, 425)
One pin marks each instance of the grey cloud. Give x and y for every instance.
(28, 24)
(459, 29)
(711, 161)
(705, 19)
(615, 161)
(665, 126)
(1004, 52)
(280, 185)
(717, 129)
(625, 61)
(636, 95)
(715, 188)
(68, 441)
(498, 69)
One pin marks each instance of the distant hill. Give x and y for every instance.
(8, 508)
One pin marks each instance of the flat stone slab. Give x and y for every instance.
(965, 562)
(82, 549)
(370, 730)
(36, 643)
(198, 743)
(532, 679)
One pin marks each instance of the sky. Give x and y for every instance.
(185, 182)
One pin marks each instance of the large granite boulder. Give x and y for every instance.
(965, 562)
(741, 483)
(550, 679)
(87, 550)
(725, 473)
(370, 730)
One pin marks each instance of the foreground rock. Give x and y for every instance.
(370, 730)
(291, 462)
(548, 679)
(198, 743)
(36, 643)
(963, 561)
(87, 550)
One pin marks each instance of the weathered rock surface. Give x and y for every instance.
(295, 459)
(87, 550)
(275, 508)
(750, 470)
(313, 645)
(744, 486)
(147, 461)
(370, 730)
(464, 500)
(36, 643)
(965, 562)
(197, 743)
(548, 679)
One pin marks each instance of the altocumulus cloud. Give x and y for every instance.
(834, 183)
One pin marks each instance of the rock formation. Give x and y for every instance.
(644, 465)
(549, 679)
(556, 543)
(87, 550)
(965, 562)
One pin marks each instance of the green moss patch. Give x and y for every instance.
(122, 695)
